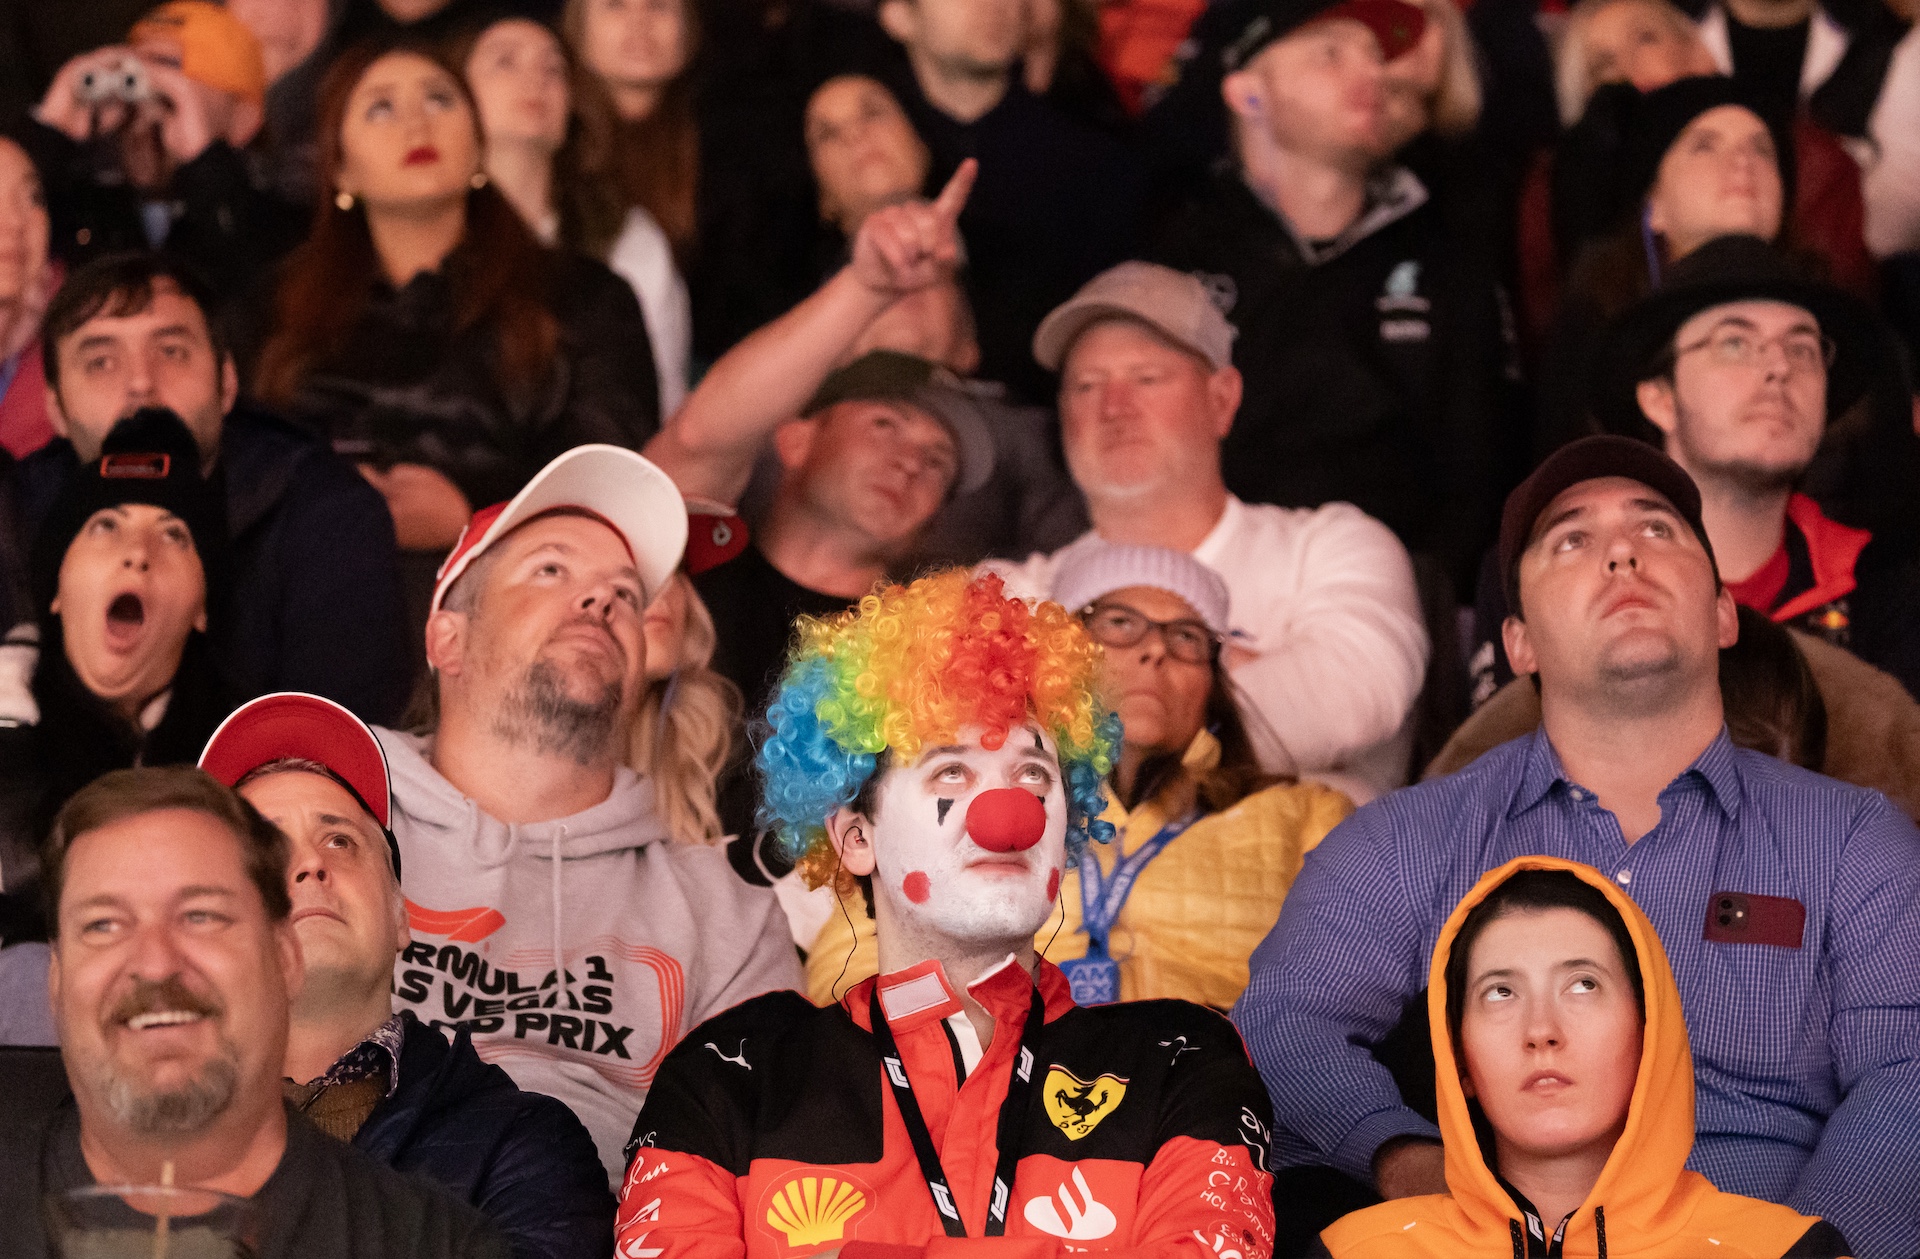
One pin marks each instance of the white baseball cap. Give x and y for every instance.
(633, 496)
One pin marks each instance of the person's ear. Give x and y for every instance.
(1727, 615)
(229, 384)
(793, 442)
(1658, 404)
(293, 963)
(1656, 210)
(1224, 390)
(1513, 632)
(851, 835)
(897, 20)
(54, 607)
(56, 414)
(402, 926)
(200, 617)
(447, 642)
(1241, 92)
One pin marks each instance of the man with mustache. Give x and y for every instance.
(387, 1083)
(173, 967)
(1788, 903)
(553, 918)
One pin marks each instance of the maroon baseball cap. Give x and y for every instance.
(1396, 25)
(1590, 459)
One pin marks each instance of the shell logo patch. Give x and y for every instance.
(1077, 1106)
(811, 1210)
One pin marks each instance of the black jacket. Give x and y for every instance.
(323, 1201)
(313, 598)
(78, 738)
(1382, 376)
(407, 387)
(522, 1158)
(216, 219)
(1056, 202)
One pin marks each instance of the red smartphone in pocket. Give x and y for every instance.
(1749, 918)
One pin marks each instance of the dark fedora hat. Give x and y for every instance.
(1638, 344)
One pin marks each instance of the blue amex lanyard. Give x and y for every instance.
(1095, 978)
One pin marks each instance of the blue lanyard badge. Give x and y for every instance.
(1095, 978)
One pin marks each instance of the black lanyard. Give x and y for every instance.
(1013, 1113)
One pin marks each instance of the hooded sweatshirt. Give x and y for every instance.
(656, 937)
(1645, 1205)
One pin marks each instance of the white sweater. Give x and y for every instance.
(1328, 644)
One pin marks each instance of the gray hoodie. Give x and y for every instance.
(657, 937)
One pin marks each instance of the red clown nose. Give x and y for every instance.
(1006, 819)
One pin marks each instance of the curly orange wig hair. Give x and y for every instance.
(912, 665)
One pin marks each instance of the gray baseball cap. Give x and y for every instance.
(1172, 303)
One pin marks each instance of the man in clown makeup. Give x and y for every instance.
(939, 751)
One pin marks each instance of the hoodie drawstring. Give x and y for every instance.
(559, 958)
(1519, 1239)
(1600, 1226)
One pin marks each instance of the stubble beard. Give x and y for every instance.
(540, 713)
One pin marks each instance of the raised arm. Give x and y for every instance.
(708, 448)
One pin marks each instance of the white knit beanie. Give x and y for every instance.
(1103, 568)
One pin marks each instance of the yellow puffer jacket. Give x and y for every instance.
(1196, 912)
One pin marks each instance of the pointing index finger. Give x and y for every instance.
(948, 204)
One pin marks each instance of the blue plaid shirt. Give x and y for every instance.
(1806, 1061)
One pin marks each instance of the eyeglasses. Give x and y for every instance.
(1736, 346)
(1117, 625)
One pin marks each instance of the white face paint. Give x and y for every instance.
(928, 869)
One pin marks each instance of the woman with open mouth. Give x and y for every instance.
(116, 670)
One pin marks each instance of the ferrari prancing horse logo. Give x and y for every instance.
(1077, 1106)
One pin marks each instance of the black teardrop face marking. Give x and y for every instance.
(944, 807)
(1038, 746)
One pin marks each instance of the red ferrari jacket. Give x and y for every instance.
(771, 1131)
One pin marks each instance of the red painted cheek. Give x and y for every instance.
(1053, 885)
(917, 886)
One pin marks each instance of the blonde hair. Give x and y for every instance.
(683, 735)
(1572, 85)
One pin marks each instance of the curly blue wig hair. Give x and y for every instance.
(910, 666)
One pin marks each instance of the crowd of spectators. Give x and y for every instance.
(550, 549)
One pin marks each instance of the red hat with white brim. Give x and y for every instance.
(292, 725)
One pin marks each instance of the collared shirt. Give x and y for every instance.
(379, 1053)
(1807, 1080)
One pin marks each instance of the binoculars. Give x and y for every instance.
(124, 80)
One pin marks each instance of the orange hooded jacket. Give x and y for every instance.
(1646, 1205)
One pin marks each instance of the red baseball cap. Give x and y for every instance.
(307, 727)
(634, 497)
(715, 534)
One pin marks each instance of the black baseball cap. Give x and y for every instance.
(891, 376)
(1590, 459)
(1396, 24)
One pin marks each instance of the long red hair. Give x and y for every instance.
(498, 272)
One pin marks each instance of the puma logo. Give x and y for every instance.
(739, 1057)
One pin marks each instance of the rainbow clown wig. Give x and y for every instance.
(910, 666)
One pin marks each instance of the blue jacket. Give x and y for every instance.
(522, 1158)
(313, 574)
